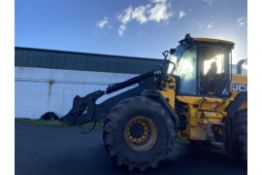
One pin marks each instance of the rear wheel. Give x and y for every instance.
(138, 133)
(236, 138)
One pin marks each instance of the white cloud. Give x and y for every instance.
(209, 2)
(181, 14)
(139, 14)
(205, 25)
(156, 11)
(242, 21)
(156, 1)
(103, 23)
(159, 12)
(209, 26)
(121, 29)
(126, 16)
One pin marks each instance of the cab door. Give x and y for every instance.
(214, 70)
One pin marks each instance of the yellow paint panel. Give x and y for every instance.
(243, 106)
(197, 100)
(239, 79)
(189, 99)
(170, 95)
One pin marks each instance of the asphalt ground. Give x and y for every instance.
(51, 150)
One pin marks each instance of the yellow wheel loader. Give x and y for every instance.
(193, 95)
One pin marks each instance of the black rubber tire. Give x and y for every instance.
(236, 137)
(49, 116)
(113, 133)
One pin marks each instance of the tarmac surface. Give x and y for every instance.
(49, 150)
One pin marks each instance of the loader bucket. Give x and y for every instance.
(83, 109)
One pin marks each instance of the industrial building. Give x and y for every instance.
(48, 80)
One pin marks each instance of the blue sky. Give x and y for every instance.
(128, 27)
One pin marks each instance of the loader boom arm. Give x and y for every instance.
(84, 108)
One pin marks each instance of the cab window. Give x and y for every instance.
(214, 74)
(186, 70)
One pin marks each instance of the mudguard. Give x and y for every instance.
(234, 106)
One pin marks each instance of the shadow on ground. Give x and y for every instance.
(48, 150)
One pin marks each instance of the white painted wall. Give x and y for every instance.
(38, 90)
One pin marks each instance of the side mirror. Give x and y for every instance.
(172, 51)
(165, 54)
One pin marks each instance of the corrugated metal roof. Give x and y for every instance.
(55, 59)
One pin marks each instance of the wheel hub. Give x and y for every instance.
(136, 130)
(140, 133)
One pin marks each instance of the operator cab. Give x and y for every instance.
(202, 67)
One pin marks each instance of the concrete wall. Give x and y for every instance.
(38, 90)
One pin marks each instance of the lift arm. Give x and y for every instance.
(84, 108)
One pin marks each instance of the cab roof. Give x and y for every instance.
(188, 41)
(212, 40)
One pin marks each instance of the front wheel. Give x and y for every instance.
(138, 133)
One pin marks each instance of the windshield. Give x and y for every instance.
(183, 64)
(174, 58)
(172, 64)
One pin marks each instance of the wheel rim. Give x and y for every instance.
(140, 133)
